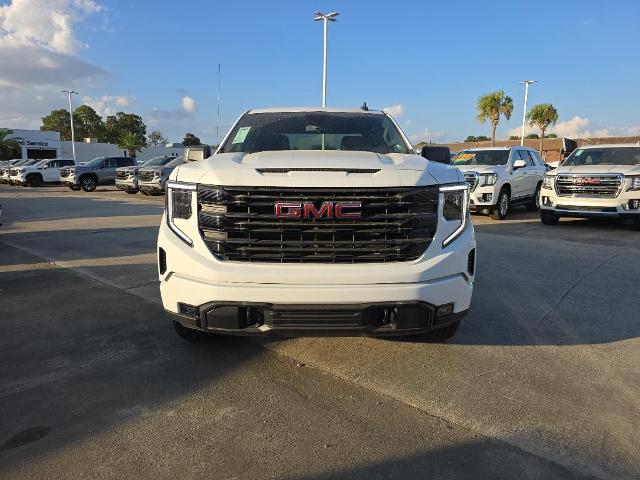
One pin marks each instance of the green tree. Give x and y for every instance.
(58, 121)
(120, 123)
(491, 106)
(532, 136)
(551, 135)
(8, 148)
(156, 139)
(132, 142)
(470, 138)
(474, 138)
(87, 123)
(190, 139)
(542, 116)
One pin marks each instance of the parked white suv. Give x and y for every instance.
(45, 171)
(594, 181)
(316, 221)
(500, 178)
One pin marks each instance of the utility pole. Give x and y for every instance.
(218, 117)
(326, 18)
(524, 114)
(73, 136)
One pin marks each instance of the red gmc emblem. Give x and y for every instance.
(587, 181)
(326, 210)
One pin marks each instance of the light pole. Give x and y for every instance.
(73, 136)
(524, 114)
(326, 18)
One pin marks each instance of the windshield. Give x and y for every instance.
(41, 162)
(31, 162)
(481, 157)
(157, 161)
(95, 161)
(175, 162)
(365, 132)
(604, 156)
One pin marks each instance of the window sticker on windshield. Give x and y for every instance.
(463, 157)
(241, 134)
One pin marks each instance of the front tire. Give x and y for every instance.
(440, 335)
(502, 207)
(34, 181)
(549, 218)
(189, 334)
(88, 183)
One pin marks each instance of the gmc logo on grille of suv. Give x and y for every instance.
(326, 210)
(587, 181)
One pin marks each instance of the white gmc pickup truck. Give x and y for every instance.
(594, 181)
(316, 221)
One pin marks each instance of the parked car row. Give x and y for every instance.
(120, 171)
(594, 181)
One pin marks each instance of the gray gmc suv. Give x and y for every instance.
(99, 171)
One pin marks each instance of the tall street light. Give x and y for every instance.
(524, 114)
(73, 137)
(326, 18)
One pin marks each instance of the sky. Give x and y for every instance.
(425, 62)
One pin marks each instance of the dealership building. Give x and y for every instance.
(47, 144)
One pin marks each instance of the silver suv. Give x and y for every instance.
(127, 177)
(99, 171)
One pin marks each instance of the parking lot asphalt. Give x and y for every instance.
(541, 380)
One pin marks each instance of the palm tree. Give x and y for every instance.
(491, 106)
(542, 116)
(131, 142)
(8, 148)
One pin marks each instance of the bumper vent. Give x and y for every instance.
(162, 261)
(471, 262)
(239, 224)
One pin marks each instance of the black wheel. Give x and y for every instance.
(189, 334)
(440, 335)
(88, 183)
(34, 180)
(131, 192)
(75, 188)
(534, 206)
(548, 218)
(502, 207)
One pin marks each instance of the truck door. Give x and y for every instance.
(108, 173)
(518, 176)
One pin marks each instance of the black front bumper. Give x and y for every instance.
(367, 319)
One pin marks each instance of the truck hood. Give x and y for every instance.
(316, 168)
(594, 169)
(482, 168)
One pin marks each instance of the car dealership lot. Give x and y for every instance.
(541, 380)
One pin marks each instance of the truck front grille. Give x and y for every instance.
(239, 224)
(472, 180)
(589, 186)
(122, 175)
(65, 172)
(145, 176)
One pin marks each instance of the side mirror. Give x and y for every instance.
(519, 164)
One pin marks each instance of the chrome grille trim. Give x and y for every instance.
(239, 224)
(578, 186)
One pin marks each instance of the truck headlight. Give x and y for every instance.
(455, 207)
(487, 179)
(548, 182)
(178, 206)
(635, 183)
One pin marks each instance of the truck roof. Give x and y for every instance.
(506, 147)
(610, 145)
(314, 109)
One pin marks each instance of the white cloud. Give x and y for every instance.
(107, 104)
(38, 57)
(427, 135)
(188, 103)
(44, 23)
(580, 127)
(394, 110)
